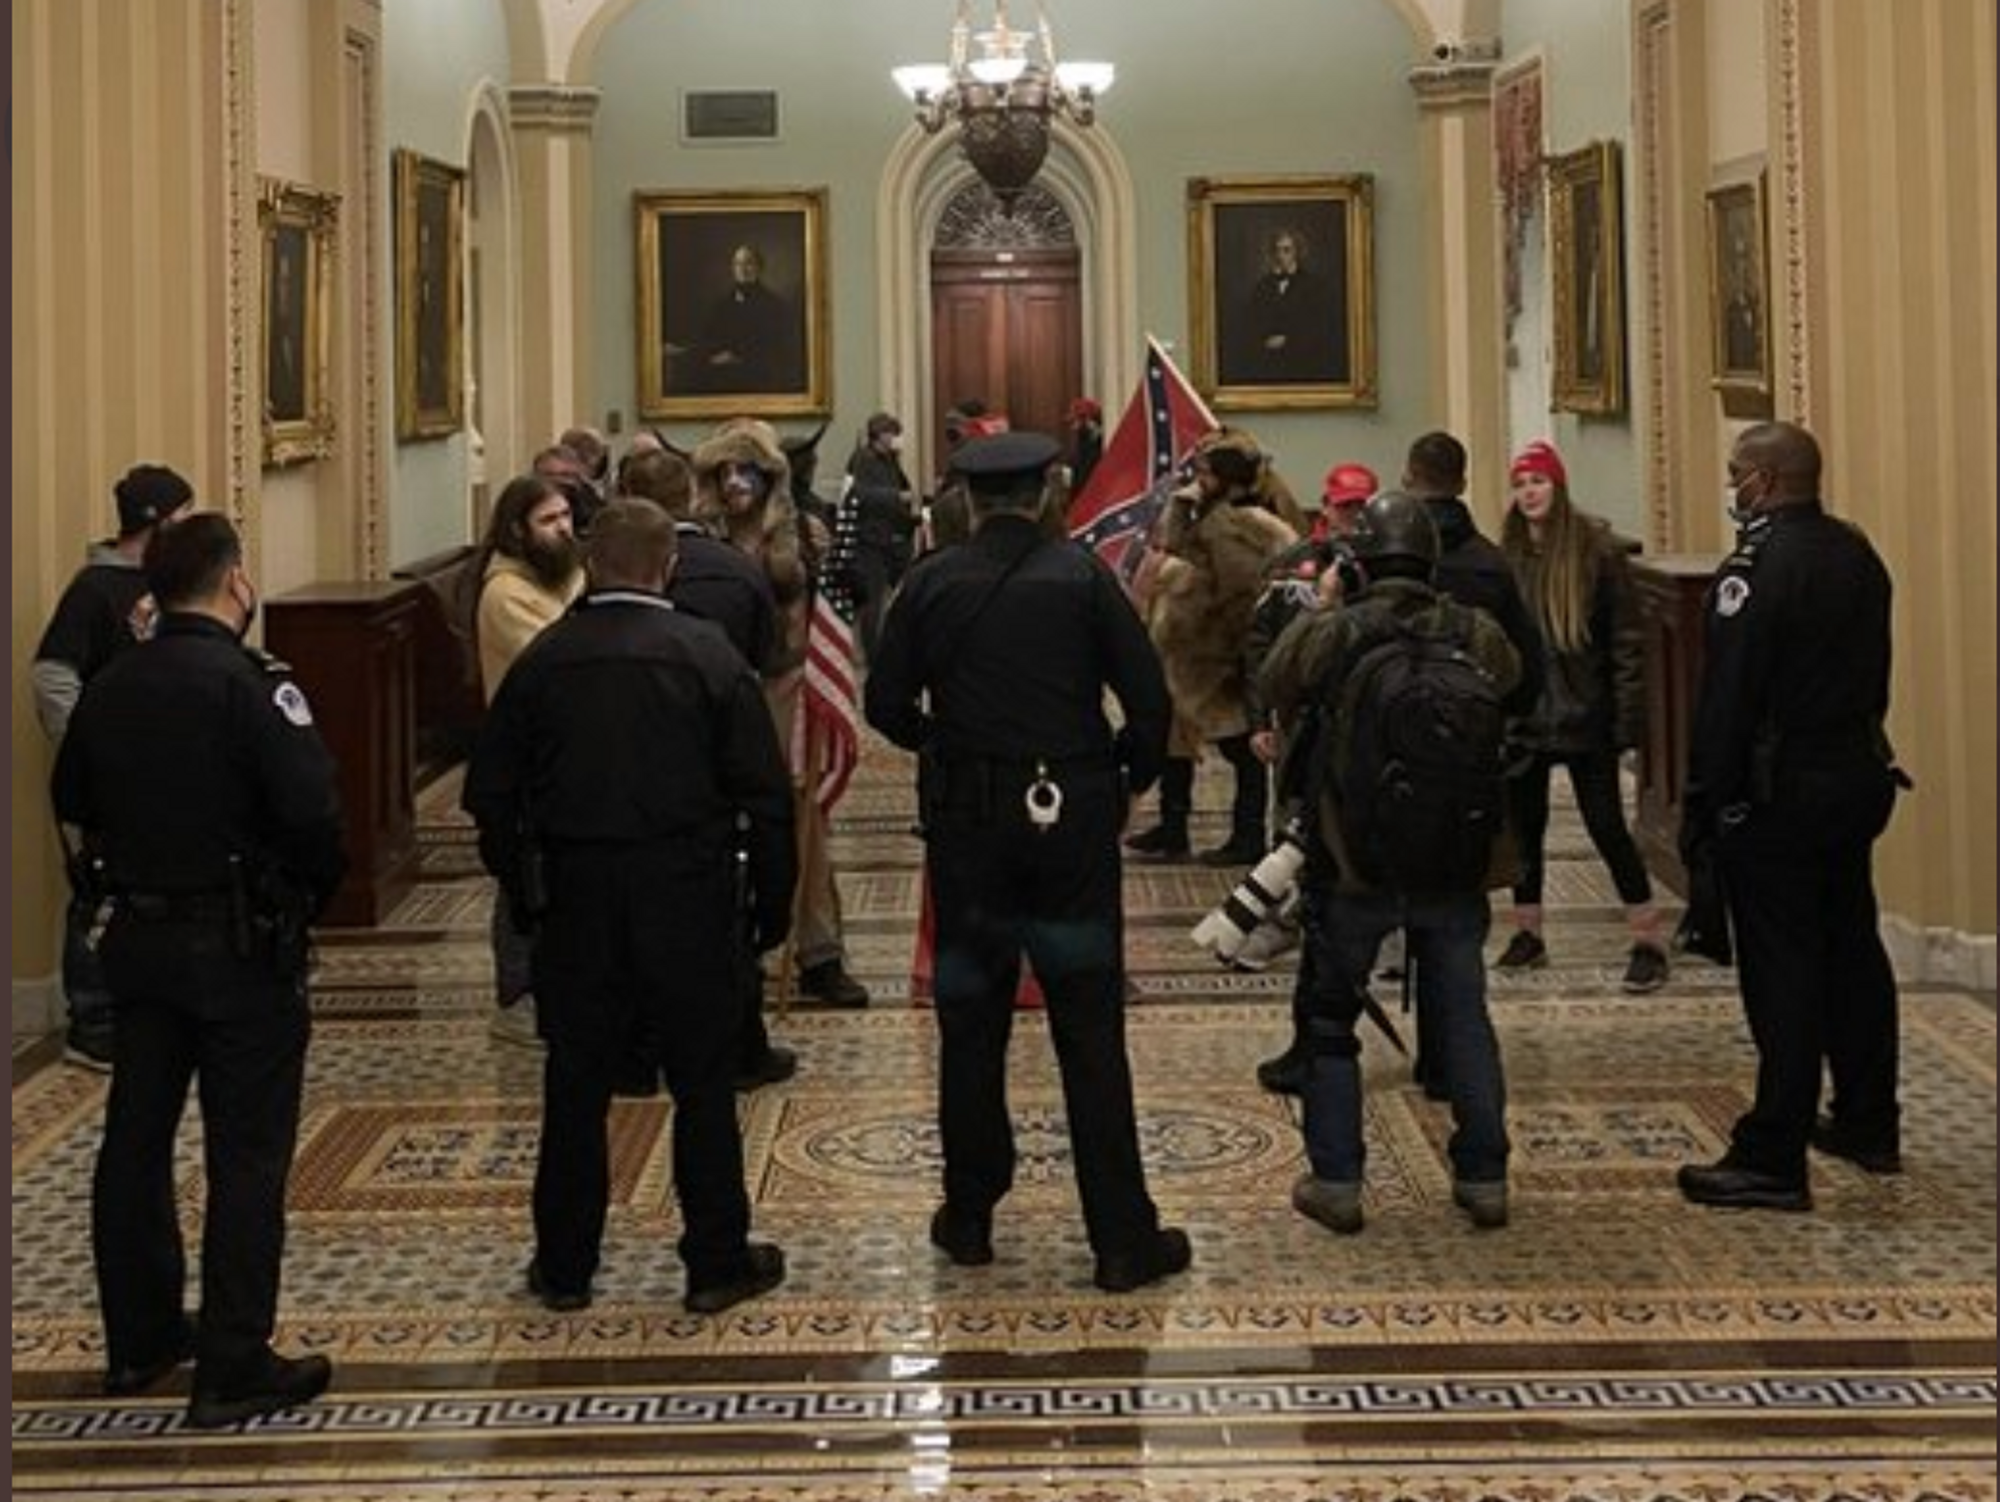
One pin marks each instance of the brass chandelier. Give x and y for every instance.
(1003, 87)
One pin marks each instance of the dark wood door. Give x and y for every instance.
(1007, 327)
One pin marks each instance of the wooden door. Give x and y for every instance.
(1007, 328)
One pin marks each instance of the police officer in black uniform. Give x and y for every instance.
(625, 748)
(1790, 782)
(992, 666)
(212, 836)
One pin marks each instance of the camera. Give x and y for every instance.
(1255, 898)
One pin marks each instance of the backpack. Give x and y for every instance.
(1416, 775)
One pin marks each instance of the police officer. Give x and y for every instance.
(1790, 782)
(993, 664)
(624, 747)
(212, 830)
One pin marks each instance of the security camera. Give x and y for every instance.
(1444, 52)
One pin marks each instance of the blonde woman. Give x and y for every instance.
(1573, 576)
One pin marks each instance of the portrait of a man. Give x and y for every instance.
(731, 303)
(433, 294)
(1742, 297)
(285, 336)
(1281, 287)
(430, 297)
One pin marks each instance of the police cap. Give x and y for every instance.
(1005, 463)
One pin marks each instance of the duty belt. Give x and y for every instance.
(177, 907)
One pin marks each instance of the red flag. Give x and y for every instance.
(1112, 514)
(829, 726)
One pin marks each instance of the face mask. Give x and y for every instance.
(249, 613)
(1739, 512)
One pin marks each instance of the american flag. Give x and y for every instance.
(828, 729)
(1115, 511)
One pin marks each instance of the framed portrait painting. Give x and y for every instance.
(430, 297)
(1281, 287)
(732, 303)
(1739, 294)
(1587, 255)
(300, 231)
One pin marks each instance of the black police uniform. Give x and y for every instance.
(1014, 638)
(626, 739)
(1790, 781)
(194, 770)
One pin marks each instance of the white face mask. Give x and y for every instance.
(1739, 512)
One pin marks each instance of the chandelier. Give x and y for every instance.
(1003, 97)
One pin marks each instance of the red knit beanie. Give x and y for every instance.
(1540, 458)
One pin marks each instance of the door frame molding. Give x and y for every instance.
(1087, 174)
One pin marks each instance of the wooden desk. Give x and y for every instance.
(1671, 588)
(352, 647)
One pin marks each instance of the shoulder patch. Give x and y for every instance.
(291, 702)
(1732, 593)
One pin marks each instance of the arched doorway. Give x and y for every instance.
(1006, 309)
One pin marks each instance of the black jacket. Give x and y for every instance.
(1472, 570)
(1003, 647)
(1593, 699)
(627, 722)
(191, 749)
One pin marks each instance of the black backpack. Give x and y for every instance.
(1416, 778)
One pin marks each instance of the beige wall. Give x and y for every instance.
(1889, 283)
(121, 286)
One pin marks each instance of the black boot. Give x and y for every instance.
(1248, 839)
(1168, 839)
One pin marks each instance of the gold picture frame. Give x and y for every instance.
(1281, 289)
(732, 303)
(1587, 256)
(300, 229)
(1739, 296)
(430, 296)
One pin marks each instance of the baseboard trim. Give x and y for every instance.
(1939, 956)
(38, 1006)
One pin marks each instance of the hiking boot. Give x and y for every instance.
(1166, 1253)
(1828, 1138)
(1525, 951)
(276, 1382)
(556, 1300)
(1646, 971)
(1163, 842)
(1337, 1206)
(829, 985)
(1286, 1073)
(1484, 1202)
(777, 1064)
(515, 1023)
(763, 1270)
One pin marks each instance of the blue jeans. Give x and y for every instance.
(1446, 937)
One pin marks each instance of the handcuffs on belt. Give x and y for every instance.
(1044, 800)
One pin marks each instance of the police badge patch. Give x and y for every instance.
(1731, 595)
(291, 702)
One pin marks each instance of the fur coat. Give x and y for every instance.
(1201, 603)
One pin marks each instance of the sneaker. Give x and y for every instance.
(1337, 1206)
(776, 1065)
(91, 1053)
(1525, 951)
(1646, 970)
(763, 1270)
(516, 1024)
(274, 1383)
(1160, 843)
(829, 985)
(1268, 941)
(556, 1300)
(1485, 1202)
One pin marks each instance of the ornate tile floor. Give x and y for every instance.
(1612, 1342)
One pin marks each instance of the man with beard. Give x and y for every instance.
(528, 572)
